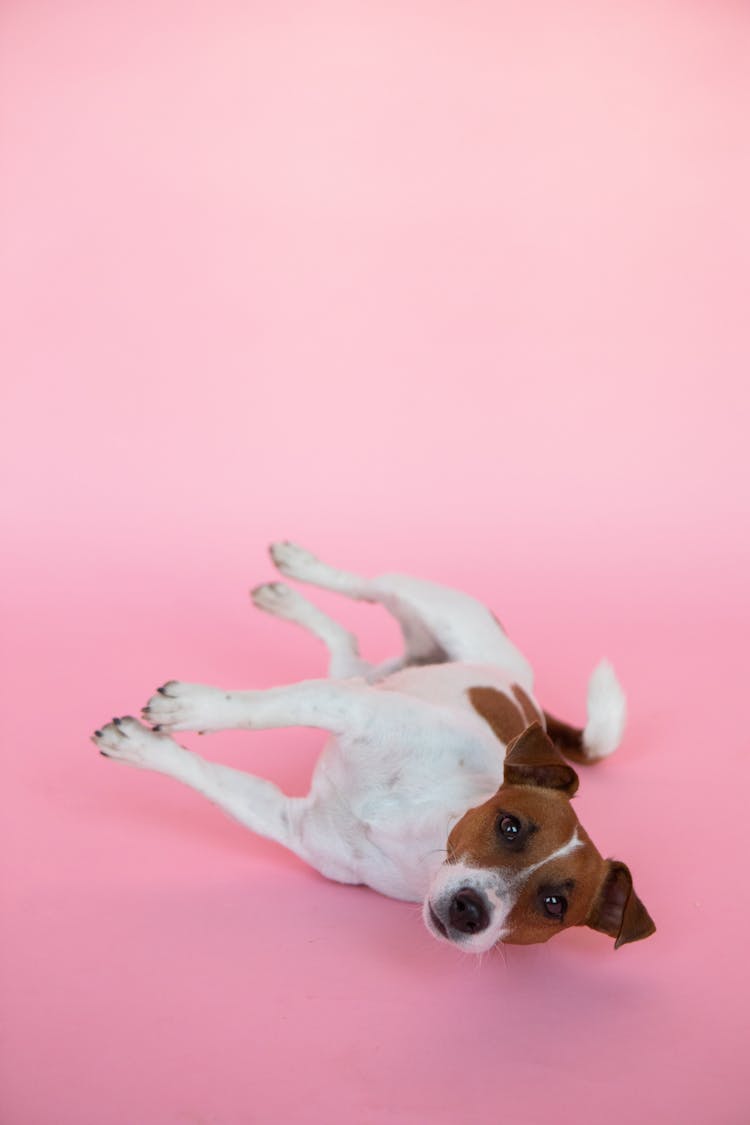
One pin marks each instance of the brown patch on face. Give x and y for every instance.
(546, 819)
(499, 710)
(573, 879)
(529, 710)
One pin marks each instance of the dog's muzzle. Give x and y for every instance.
(468, 906)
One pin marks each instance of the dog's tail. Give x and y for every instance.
(605, 720)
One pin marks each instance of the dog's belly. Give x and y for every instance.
(385, 823)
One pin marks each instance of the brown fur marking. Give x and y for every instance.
(529, 710)
(497, 709)
(566, 738)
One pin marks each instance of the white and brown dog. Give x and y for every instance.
(443, 781)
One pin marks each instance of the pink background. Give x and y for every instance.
(459, 289)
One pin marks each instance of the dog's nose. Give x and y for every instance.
(468, 914)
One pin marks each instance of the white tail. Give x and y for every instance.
(606, 711)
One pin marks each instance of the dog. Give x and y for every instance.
(443, 782)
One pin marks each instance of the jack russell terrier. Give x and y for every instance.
(443, 781)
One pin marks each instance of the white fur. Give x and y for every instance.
(408, 754)
(606, 711)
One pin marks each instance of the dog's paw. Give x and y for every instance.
(127, 740)
(282, 601)
(178, 706)
(273, 597)
(292, 560)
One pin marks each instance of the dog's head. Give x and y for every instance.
(520, 867)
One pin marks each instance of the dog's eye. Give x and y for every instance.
(509, 827)
(555, 906)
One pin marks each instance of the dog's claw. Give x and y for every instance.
(127, 740)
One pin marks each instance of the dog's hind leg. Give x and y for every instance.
(296, 562)
(437, 622)
(281, 601)
(420, 646)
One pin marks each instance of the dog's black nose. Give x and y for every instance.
(468, 914)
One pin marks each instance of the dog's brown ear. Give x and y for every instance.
(533, 759)
(617, 910)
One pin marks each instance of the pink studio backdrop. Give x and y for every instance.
(454, 289)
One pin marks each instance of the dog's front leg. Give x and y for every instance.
(336, 706)
(362, 716)
(343, 707)
(254, 802)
